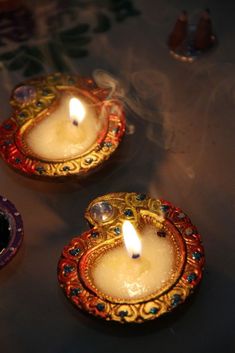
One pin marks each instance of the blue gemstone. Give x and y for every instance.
(75, 291)
(175, 300)
(191, 277)
(128, 213)
(123, 313)
(141, 197)
(7, 126)
(100, 306)
(22, 115)
(107, 144)
(17, 160)
(94, 234)
(66, 168)
(196, 255)
(181, 215)
(40, 169)
(68, 269)
(8, 143)
(74, 252)
(164, 208)
(117, 230)
(153, 310)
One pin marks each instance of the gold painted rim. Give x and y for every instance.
(14, 149)
(81, 252)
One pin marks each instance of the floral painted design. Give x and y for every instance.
(55, 33)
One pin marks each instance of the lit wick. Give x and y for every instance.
(131, 240)
(76, 111)
(135, 256)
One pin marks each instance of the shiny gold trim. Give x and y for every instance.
(26, 114)
(80, 255)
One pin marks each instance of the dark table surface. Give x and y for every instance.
(180, 147)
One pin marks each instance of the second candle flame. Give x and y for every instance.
(77, 111)
(131, 240)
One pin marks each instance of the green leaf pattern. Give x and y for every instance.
(62, 41)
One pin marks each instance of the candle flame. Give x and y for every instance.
(77, 111)
(131, 240)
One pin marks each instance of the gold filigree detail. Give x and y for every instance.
(75, 265)
(47, 93)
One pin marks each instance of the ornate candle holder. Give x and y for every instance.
(106, 215)
(11, 233)
(35, 100)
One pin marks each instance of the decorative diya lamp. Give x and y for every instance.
(61, 126)
(187, 42)
(140, 259)
(11, 231)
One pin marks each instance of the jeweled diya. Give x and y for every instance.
(61, 126)
(141, 258)
(11, 231)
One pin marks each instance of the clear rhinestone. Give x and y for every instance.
(24, 94)
(101, 211)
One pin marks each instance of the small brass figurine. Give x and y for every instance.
(188, 41)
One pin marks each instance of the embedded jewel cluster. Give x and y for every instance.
(105, 215)
(36, 98)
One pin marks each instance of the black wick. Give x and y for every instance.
(75, 122)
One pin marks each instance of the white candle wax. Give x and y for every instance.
(56, 137)
(120, 276)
